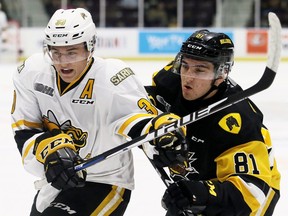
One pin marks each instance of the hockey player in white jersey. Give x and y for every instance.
(70, 105)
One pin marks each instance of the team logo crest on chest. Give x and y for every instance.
(231, 123)
(78, 136)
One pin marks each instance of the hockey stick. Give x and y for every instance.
(264, 82)
(272, 64)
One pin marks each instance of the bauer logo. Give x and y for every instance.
(161, 42)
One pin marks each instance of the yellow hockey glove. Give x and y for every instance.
(58, 154)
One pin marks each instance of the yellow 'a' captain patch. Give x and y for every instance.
(231, 123)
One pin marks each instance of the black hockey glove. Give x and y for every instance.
(188, 195)
(172, 147)
(57, 152)
(59, 167)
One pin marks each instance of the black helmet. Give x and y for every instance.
(216, 48)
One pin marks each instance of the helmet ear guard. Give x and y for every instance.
(222, 71)
(90, 45)
(177, 63)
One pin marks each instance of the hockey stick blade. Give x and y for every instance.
(274, 52)
(275, 45)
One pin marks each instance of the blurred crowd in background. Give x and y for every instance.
(157, 13)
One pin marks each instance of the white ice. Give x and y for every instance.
(16, 185)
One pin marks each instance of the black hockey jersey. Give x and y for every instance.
(232, 147)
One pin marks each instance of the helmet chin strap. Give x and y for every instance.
(213, 87)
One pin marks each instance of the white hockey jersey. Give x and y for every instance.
(98, 110)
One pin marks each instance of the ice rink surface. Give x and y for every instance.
(16, 185)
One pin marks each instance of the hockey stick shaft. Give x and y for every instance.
(264, 82)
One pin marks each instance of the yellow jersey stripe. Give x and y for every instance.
(130, 120)
(117, 203)
(110, 203)
(250, 199)
(27, 149)
(20, 123)
(262, 210)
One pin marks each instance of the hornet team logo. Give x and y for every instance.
(78, 136)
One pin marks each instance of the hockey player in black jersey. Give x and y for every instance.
(230, 168)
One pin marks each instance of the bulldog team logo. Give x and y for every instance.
(78, 136)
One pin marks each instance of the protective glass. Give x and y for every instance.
(67, 54)
(197, 71)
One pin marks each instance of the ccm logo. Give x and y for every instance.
(79, 101)
(194, 46)
(60, 35)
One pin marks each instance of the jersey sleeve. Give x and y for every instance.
(164, 88)
(130, 108)
(252, 191)
(26, 117)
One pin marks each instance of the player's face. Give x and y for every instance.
(69, 61)
(196, 78)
